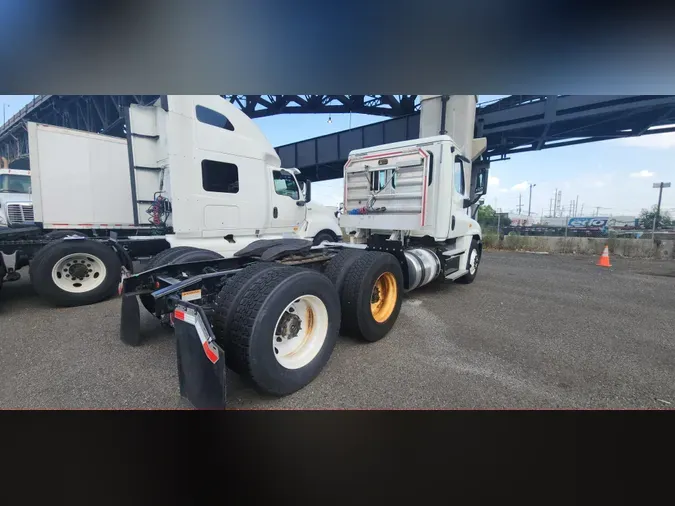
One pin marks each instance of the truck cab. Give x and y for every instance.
(222, 176)
(16, 208)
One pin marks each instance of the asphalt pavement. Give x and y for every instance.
(533, 331)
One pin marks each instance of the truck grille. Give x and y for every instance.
(20, 213)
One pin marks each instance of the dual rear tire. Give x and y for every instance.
(370, 285)
(278, 325)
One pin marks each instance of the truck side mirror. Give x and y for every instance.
(308, 191)
(480, 181)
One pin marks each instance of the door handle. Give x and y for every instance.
(275, 212)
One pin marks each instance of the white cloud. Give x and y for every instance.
(642, 173)
(521, 186)
(493, 181)
(653, 141)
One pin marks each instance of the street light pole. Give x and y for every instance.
(660, 186)
(529, 206)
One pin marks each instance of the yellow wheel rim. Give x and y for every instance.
(383, 298)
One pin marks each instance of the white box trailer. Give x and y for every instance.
(80, 179)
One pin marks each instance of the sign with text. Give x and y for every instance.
(592, 223)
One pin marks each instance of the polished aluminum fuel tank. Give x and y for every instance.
(423, 267)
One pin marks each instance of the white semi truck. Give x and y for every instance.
(82, 214)
(273, 310)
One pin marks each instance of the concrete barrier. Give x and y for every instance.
(631, 248)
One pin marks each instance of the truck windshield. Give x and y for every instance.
(10, 183)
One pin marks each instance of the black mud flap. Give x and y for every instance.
(130, 321)
(201, 362)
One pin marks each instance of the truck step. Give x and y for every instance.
(449, 273)
(453, 252)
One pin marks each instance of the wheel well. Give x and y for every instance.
(480, 243)
(326, 231)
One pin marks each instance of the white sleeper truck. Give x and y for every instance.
(92, 204)
(273, 310)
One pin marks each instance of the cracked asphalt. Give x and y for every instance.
(533, 331)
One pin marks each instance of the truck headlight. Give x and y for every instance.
(3, 220)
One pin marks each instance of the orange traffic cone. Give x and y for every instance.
(604, 258)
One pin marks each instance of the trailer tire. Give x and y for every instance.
(473, 260)
(56, 286)
(285, 328)
(324, 235)
(227, 302)
(174, 256)
(371, 296)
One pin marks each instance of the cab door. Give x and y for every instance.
(287, 203)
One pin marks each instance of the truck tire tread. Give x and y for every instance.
(227, 302)
(338, 267)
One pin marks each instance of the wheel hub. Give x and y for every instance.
(78, 270)
(383, 297)
(300, 332)
(79, 273)
(289, 326)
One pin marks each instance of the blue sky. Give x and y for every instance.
(616, 175)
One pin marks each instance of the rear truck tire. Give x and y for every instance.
(76, 273)
(338, 267)
(371, 296)
(324, 235)
(285, 328)
(227, 302)
(472, 264)
(180, 254)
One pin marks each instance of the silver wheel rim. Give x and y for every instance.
(300, 332)
(473, 262)
(78, 273)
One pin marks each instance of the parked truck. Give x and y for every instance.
(82, 214)
(272, 311)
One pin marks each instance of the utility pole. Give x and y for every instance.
(660, 186)
(555, 202)
(520, 203)
(499, 221)
(4, 109)
(576, 206)
(529, 205)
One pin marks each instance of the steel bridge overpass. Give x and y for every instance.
(515, 124)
